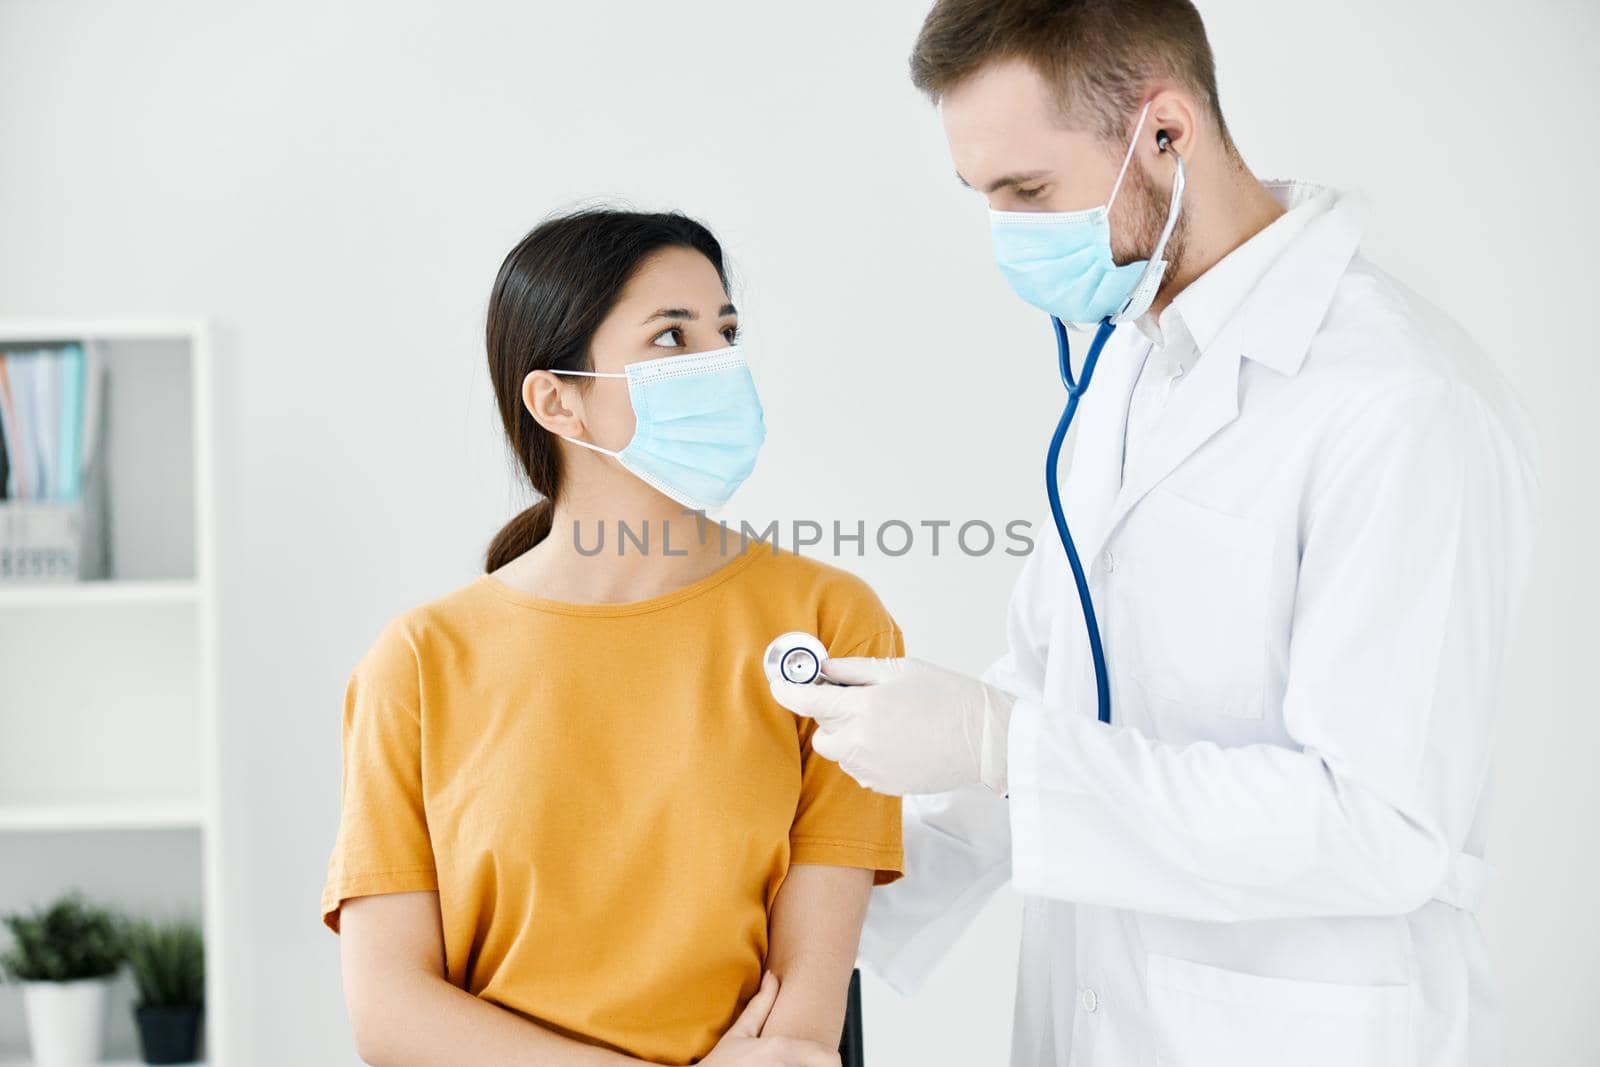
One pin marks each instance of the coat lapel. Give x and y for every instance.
(1200, 406)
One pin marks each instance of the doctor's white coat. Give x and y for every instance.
(1306, 585)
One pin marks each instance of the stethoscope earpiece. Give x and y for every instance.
(1163, 140)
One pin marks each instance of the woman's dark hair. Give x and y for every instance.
(551, 295)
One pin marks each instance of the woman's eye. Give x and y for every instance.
(674, 333)
(731, 335)
(1030, 194)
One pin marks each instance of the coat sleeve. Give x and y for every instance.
(957, 844)
(1413, 552)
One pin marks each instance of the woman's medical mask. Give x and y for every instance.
(1060, 261)
(697, 425)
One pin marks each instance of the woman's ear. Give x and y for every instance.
(555, 403)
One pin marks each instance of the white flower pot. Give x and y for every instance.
(66, 1021)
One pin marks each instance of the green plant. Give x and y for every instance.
(69, 940)
(169, 963)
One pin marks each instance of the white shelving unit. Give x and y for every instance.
(108, 697)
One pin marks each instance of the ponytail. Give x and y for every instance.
(527, 529)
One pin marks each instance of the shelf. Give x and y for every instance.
(15, 1062)
(73, 594)
(135, 815)
(28, 331)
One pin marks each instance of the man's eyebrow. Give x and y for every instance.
(1021, 178)
(686, 314)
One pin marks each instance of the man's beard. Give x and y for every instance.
(1149, 205)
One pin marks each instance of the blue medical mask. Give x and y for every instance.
(697, 425)
(1060, 261)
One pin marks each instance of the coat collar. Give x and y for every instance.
(1277, 321)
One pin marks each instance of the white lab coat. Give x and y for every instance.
(1306, 585)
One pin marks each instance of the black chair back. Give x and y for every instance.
(850, 1054)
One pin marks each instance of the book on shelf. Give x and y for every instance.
(51, 495)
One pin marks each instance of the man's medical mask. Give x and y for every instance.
(697, 425)
(1060, 261)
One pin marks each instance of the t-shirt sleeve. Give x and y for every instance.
(383, 844)
(840, 822)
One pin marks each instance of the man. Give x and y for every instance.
(1304, 505)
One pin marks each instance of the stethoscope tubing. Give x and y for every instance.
(1076, 387)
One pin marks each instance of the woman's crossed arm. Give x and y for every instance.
(813, 933)
(406, 1013)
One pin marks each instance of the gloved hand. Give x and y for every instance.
(902, 726)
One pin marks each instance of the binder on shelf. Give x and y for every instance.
(53, 504)
(73, 383)
(5, 463)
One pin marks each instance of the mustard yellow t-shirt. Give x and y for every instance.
(606, 797)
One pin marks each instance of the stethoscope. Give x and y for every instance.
(1076, 387)
(797, 657)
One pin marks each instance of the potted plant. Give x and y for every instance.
(64, 956)
(169, 969)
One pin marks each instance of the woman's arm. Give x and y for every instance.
(813, 934)
(404, 1011)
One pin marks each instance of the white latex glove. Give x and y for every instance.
(902, 726)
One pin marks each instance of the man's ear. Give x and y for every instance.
(554, 402)
(1172, 113)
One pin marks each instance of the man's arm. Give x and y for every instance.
(405, 1011)
(813, 934)
(1411, 568)
(958, 843)
(958, 852)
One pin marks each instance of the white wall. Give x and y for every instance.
(335, 184)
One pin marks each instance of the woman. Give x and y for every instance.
(576, 827)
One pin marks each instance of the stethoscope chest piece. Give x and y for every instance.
(794, 657)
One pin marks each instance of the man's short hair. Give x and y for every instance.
(1102, 56)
